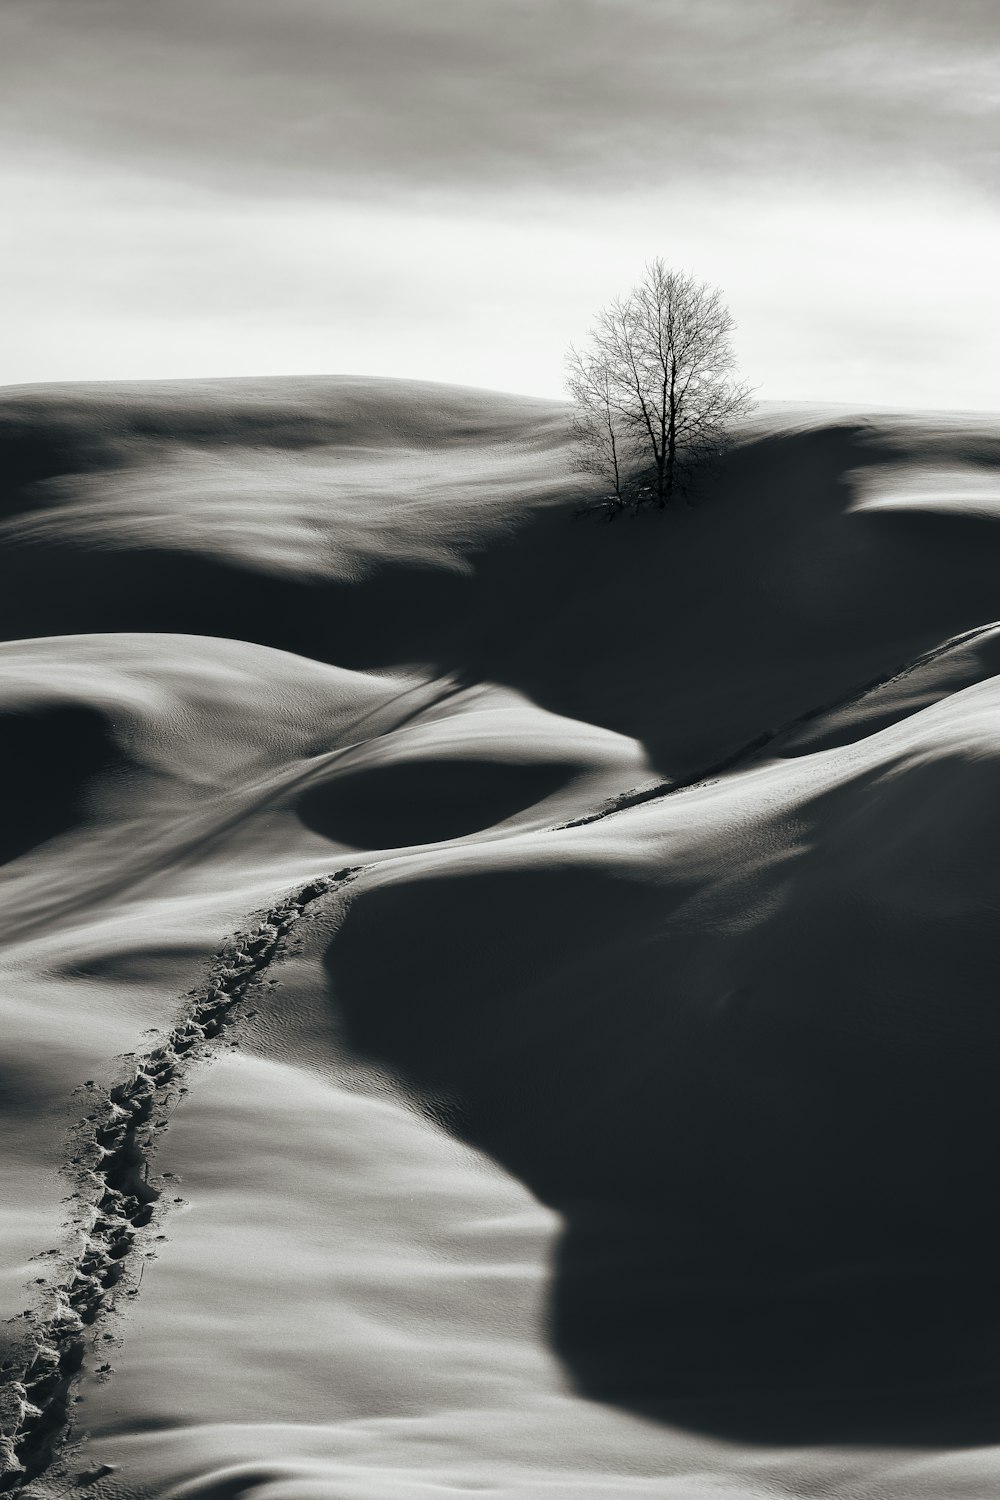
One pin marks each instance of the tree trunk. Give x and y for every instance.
(660, 479)
(671, 443)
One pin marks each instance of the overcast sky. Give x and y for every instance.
(448, 189)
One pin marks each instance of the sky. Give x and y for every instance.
(450, 189)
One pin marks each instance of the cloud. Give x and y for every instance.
(479, 95)
(450, 188)
(871, 298)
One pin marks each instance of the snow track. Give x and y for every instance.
(117, 1206)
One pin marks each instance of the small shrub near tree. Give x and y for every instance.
(654, 390)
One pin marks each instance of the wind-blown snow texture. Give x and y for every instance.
(601, 1101)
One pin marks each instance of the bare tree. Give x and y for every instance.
(654, 390)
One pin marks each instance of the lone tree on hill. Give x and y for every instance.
(654, 388)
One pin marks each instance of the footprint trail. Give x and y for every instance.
(116, 1207)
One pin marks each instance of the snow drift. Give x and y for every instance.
(635, 1094)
